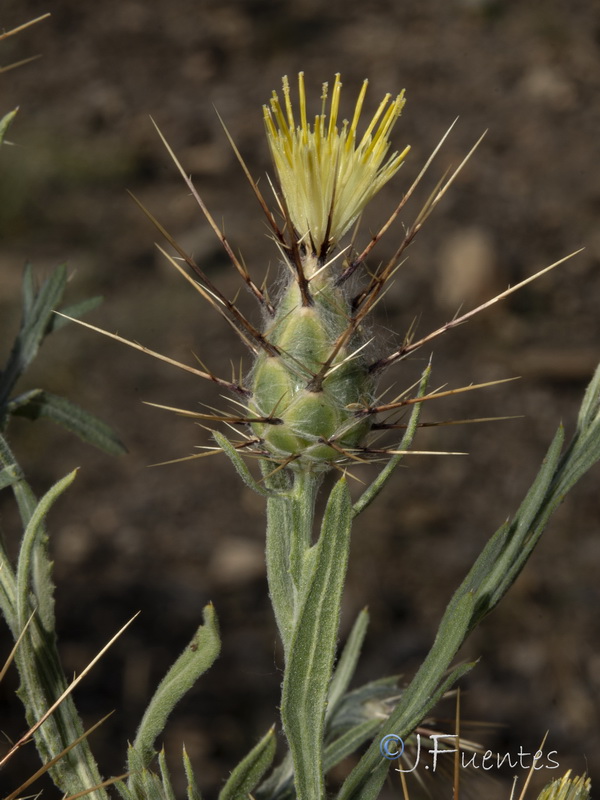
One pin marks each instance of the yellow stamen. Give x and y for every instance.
(325, 177)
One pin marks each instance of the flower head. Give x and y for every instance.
(327, 176)
(567, 788)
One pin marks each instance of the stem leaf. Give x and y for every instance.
(39, 403)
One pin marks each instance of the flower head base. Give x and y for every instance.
(326, 176)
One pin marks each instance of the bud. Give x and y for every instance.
(312, 411)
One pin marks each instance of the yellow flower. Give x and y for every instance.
(326, 177)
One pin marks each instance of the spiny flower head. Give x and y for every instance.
(310, 401)
(326, 175)
(567, 788)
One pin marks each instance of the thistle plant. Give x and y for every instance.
(309, 405)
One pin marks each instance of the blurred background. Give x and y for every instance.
(166, 540)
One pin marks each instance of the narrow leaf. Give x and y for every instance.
(124, 790)
(590, 407)
(28, 291)
(143, 784)
(5, 122)
(280, 526)
(13, 477)
(193, 793)
(348, 661)
(7, 477)
(37, 312)
(350, 741)
(250, 770)
(165, 777)
(370, 788)
(495, 570)
(31, 538)
(38, 403)
(280, 783)
(198, 656)
(42, 679)
(506, 553)
(380, 481)
(74, 311)
(239, 464)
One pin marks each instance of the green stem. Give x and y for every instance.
(290, 520)
(303, 499)
(306, 581)
(278, 536)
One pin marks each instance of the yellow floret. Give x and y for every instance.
(326, 177)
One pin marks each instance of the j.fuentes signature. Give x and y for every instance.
(392, 747)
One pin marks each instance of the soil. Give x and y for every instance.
(166, 540)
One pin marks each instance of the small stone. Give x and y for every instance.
(466, 270)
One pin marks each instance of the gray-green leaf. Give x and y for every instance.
(250, 770)
(197, 657)
(38, 403)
